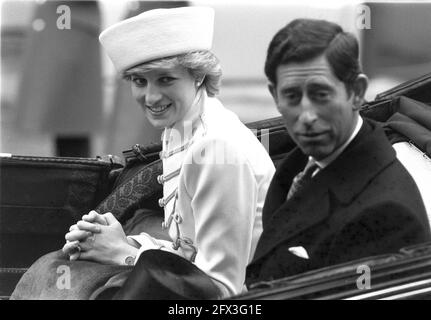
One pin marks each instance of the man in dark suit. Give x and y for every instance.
(341, 194)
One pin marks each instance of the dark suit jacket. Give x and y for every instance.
(364, 203)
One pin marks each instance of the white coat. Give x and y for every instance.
(216, 174)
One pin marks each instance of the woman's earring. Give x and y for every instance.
(199, 82)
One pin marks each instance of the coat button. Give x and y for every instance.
(160, 179)
(161, 202)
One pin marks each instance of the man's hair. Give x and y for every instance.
(202, 65)
(304, 39)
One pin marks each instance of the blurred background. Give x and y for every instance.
(60, 95)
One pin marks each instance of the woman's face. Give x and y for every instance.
(165, 94)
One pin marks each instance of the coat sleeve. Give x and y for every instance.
(385, 228)
(224, 194)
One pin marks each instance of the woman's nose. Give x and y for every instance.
(152, 95)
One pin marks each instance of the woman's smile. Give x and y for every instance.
(159, 109)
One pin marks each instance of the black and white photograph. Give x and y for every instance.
(219, 152)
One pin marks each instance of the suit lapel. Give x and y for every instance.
(301, 212)
(295, 161)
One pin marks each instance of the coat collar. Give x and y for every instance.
(369, 153)
(347, 176)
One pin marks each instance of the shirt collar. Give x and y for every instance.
(326, 161)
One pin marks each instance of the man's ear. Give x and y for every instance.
(273, 90)
(359, 88)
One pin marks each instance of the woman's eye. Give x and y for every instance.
(139, 81)
(166, 80)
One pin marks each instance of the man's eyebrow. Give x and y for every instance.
(290, 86)
(291, 89)
(319, 85)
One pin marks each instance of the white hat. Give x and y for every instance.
(157, 34)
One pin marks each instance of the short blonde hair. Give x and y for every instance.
(201, 65)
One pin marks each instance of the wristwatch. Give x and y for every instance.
(130, 261)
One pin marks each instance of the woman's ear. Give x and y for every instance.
(359, 88)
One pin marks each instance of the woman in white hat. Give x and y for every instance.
(215, 172)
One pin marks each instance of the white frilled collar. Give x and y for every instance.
(175, 140)
(181, 133)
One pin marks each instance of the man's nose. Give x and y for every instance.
(152, 95)
(308, 112)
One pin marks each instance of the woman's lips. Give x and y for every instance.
(159, 109)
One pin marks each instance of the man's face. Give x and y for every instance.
(316, 107)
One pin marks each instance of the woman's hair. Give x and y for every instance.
(201, 65)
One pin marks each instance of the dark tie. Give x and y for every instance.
(302, 178)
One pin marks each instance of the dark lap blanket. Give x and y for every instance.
(157, 275)
(54, 277)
